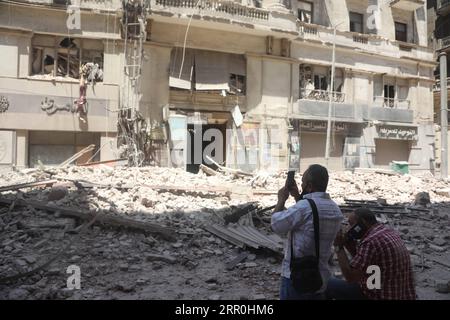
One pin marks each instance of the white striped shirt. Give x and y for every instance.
(298, 219)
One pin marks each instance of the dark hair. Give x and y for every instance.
(366, 215)
(318, 176)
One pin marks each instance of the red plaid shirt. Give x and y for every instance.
(383, 247)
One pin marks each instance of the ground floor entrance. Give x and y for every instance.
(312, 150)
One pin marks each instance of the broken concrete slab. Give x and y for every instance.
(36, 223)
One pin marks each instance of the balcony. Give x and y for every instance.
(443, 7)
(225, 12)
(392, 103)
(321, 95)
(206, 99)
(389, 109)
(410, 5)
(370, 43)
(224, 8)
(313, 105)
(105, 5)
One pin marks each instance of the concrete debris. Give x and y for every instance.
(423, 198)
(163, 233)
(157, 257)
(57, 192)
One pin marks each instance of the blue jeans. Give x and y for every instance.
(288, 292)
(338, 289)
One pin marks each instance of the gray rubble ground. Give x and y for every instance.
(117, 264)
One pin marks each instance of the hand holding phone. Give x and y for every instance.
(290, 180)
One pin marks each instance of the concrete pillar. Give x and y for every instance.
(108, 143)
(387, 28)
(21, 149)
(444, 114)
(420, 18)
(338, 14)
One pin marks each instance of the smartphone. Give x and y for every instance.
(290, 179)
(356, 232)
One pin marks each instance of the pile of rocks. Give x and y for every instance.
(118, 264)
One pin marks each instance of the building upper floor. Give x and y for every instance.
(219, 66)
(391, 28)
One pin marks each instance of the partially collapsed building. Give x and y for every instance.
(156, 81)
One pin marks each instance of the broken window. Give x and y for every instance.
(237, 71)
(356, 22)
(305, 11)
(207, 71)
(43, 61)
(68, 63)
(401, 31)
(64, 57)
(237, 83)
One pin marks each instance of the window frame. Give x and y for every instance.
(405, 25)
(299, 11)
(237, 81)
(58, 49)
(353, 14)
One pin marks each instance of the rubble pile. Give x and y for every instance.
(43, 233)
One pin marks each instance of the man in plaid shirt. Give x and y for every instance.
(378, 246)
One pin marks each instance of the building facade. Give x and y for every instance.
(439, 39)
(258, 72)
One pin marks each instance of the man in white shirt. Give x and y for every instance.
(297, 221)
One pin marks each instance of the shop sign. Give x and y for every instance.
(400, 133)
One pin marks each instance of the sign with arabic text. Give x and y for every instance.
(398, 133)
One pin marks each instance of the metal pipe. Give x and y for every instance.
(444, 112)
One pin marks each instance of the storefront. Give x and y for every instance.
(313, 137)
(393, 143)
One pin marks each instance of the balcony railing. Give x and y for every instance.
(437, 85)
(392, 103)
(227, 7)
(104, 5)
(321, 95)
(361, 39)
(444, 43)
